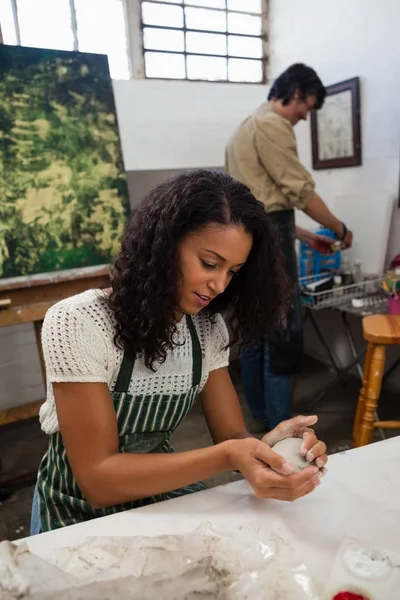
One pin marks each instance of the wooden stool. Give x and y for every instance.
(378, 330)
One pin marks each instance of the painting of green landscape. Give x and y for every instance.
(63, 192)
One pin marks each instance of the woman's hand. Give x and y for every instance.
(259, 465)
(312, 449)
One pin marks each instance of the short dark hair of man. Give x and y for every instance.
(298, 77)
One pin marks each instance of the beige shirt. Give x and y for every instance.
(262, 154)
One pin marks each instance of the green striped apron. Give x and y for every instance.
(145, 424)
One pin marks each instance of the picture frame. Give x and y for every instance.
(336, 127)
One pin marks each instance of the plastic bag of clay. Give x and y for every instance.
(24, 575)
(362, 571)
(248, 562)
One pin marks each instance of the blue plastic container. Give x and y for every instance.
(312, 262)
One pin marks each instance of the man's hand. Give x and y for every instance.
(319, 212)
(348, 240)
(344, 236)
(316, 241)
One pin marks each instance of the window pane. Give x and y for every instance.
(173, 1)
(160, 14)
(101, 30)
(201, 18)
(50, 31)
(245, 70)
(7, 23)
(168, 66)
(245, 46)
(206, 43)
(206, 67)
(244, 24)
(210, 3)
(253, 6)
(163, 39)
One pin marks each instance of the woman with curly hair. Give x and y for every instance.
(125, 365)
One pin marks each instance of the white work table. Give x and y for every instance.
(359, 497)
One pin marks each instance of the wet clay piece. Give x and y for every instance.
(290, 450)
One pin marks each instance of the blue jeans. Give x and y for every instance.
(268, 395)
(35, 515)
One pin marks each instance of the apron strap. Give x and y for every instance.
(196, 353)
(125, 373)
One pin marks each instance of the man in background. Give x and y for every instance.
(262, 154)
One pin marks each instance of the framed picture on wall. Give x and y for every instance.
(336, 127)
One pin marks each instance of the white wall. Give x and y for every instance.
(180, 124)
(20, 375)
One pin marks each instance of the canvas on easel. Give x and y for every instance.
(63, 193)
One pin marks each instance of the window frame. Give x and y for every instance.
(74, 30)
(74, 25)
(141, 66)
(135, 43)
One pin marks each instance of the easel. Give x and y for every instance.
(26, 300)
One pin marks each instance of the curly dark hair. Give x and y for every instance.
(298, 77)
(146, 274)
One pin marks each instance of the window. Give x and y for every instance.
(96, 26)
(209, 40)
(213, 40)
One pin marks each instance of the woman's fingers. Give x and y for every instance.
(317, 454)
(290, 495)
(291, 428)
(309, 440)
(270, 475)
(266, 479)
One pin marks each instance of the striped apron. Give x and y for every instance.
(145, 424)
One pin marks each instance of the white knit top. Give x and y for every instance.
(78, 346)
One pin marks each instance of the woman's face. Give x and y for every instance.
(209, 259)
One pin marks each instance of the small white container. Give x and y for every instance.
(364, 569)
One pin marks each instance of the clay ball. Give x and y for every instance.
(290, 450)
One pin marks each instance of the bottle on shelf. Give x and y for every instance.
(357, 271)
(337, 285)
(345, 272)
